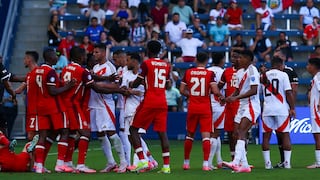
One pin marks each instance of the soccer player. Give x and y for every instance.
(197, 84)
(153, 109)
(78, 122)
(102, 113)
(11, 162)
(278, 107)
(294, 81)
(249, 108)
(228, 82)
(51, 112)
(218, 112)
(313, 68)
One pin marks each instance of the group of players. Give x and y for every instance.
(81, 101)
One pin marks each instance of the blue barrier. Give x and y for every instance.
(3, 15)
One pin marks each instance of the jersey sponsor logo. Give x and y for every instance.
(102, 71)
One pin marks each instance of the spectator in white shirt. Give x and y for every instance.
(189, 46)
(84, 6)
(174, 30)
(307, 13)
(96, 11)
(264, 17)
(218, 11)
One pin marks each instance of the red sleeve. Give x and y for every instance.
(52, 78)
(86, 77)
(144, 70)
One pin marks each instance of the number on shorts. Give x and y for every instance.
(196, 83)
(159, 78)
(274, 87)
(32, 122)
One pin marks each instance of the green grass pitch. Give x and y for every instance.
(302, 155)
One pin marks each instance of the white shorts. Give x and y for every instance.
(121, 118)
(315, 126)
(232, 26)
(218, 115)
(244, 111)
(101, 120)
(127, 123)
(279, 123)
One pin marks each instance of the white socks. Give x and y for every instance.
(317, 152)
(240, 150)
(126, 146)
(213, 149)
(287, 159)
(218, 151)
(119, 147)
(106, 147)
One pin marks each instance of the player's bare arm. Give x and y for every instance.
(290, 100)
(183, 90)
(53, 90)
(233, 97)
(252, 91)
(136, 82)
(107, 88)
(21, 88)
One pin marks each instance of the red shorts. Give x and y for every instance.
(145, 116)
(204, 120)
(15, 162)
(77, 119)
(188, 58)
(52, 121)
(31, 122)
(231, 110)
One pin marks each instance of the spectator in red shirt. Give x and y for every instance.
(311, 32)
(86, 45)
(66, 44)
(159, 14)
(234, 16)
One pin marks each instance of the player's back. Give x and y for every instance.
(155, 73)
(46, 104)
(275, 93)
(218, 71)
(198, 81)
(31, 97)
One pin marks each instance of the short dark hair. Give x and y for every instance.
(202, 57)
(33, 54)
(315, 62)
(248, 54)
(76, 53)
(259, 29)
(275, 61)
(136, 57)
(47, 53)
(154, 46)
(117, 52)
(101, 46)
(175, 14)
(217, 57)
(94, 18)
(282, 32)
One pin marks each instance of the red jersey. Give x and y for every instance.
(311, 32)
(46, 103)
(199, 82)
(155, 72)
(229, 77)
(74, 71)
(234, 15)
(66, 44)
(31, 96)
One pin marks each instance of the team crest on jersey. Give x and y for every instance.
(89, 77)
(102, 71)
(253, 78)
(52, 79)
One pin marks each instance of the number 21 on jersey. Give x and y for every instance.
(199, 86)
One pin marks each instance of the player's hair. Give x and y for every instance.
(136, 57)
(202, 57)
(217, 58)
(154, 47)
(76, 53)
(248, 54)
(315, 62)
(48, 53)
(33, 54)
(100, 46)
(275, 61)
(117, 52)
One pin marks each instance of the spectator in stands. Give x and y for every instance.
(284, 44)
(155, 35)
(96, 11)
(239, 44)
(174, 30)
(219, 33)
(316, 52)
(261, 46)
(66, 44)
(184, 11)
(122, 12)
(61, 63)
(58, 6)
(307, 13)
(189, 46)
(199, 29)
(53, 34)
(311, 33)
(218, 11)
(148, 26)
(84, 6)
(87, 45)
(234, 16)
(143, 13)
(173, 96)
(110, 6)
(264, 17)
(133, 5)
(119, 33)
(104, 39)
(94, 30)
(159, 14)
(201, 6)
(137, 35)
